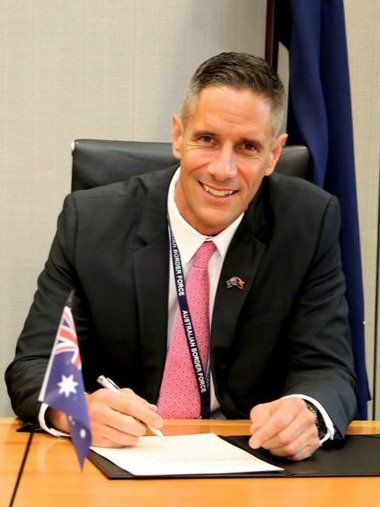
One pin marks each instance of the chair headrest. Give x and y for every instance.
(97, 162)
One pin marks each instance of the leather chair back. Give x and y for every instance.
(98, 162)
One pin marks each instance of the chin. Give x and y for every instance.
(211, 229)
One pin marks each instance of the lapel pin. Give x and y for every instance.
(235, 281)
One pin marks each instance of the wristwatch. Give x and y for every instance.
(319, 421)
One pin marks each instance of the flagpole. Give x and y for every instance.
(70, 298)
(26, 452)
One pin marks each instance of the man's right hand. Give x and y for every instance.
(116, 419)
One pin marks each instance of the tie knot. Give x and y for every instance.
(203, 254)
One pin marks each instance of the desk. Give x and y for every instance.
(52, 477)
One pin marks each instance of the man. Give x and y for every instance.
(280, 349)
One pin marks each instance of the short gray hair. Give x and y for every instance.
(241, 71)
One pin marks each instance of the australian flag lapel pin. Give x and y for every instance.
(235, 281)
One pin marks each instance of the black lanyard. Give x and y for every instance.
(203, 379)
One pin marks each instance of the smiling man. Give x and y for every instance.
(226, 143)
(272, 310)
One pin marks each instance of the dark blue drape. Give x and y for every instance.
(319, 116)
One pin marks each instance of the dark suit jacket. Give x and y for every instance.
(285, 332)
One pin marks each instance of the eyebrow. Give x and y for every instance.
(205, 132)
(198, 133)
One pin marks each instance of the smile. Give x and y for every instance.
(217, 193)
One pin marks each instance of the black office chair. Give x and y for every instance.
(98, 162)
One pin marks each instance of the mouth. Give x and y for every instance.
(217, 193)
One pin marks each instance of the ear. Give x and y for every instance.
(276, 150)
(177, 136)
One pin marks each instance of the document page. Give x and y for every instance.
(201, 454)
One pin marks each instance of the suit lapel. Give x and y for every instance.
(242, 260)
(151, 264)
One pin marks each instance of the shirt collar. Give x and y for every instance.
(187, 238)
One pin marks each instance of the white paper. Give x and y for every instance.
(200, 454)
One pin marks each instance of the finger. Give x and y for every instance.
(119, 430)
(264, 430)
(129, 403)
(260, 413)
(294, 448)
(141, 409)
(128, 392)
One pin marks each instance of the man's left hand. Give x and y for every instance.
(285, 427)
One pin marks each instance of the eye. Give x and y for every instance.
(248, 146)
(205, 139)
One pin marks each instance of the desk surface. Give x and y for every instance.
(52, 477)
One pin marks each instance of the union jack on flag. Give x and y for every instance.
(67, 340)
(63, 387)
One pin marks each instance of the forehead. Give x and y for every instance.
(230, 107)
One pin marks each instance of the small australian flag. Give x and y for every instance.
(63, 387)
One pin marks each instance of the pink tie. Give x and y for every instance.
(179, 395)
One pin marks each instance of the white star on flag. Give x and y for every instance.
(67, 385)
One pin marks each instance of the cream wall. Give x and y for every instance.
(111, 69)
(116, 69)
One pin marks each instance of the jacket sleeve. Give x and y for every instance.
(25, 374)
(320, 354)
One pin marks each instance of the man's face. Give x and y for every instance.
(226, 147)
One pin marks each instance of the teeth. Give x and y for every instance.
(218, 193)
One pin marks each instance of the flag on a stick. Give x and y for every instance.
(63, 387)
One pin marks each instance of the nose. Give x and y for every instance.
(223, 166)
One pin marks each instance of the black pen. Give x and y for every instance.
(107, 383)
